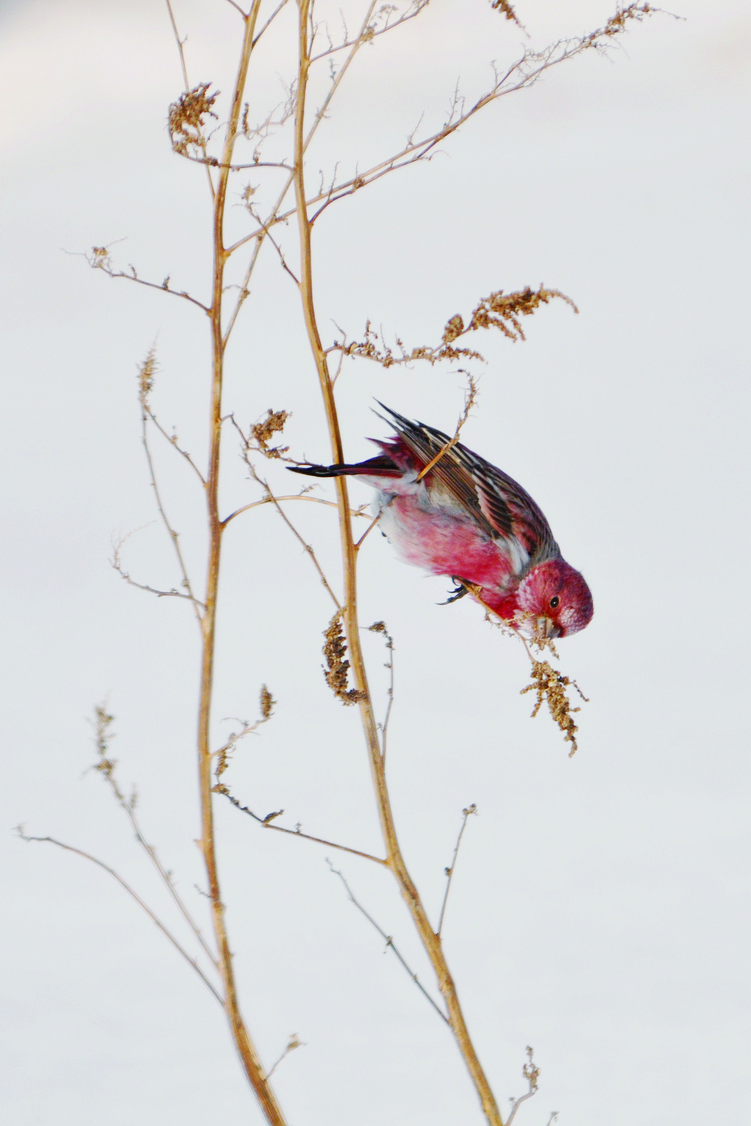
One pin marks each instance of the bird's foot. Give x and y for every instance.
(461, 587)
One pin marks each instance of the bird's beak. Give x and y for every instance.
(547, 628)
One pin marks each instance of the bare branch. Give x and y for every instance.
(117, 565)
(172, 439)
(180, 45)
(106, 767)
(389, 942)
(306, 546)
(134, 895)
(270, 20)
(372, 31)
(267, 823)
(146, 374)
(532, 1074)
(519, 76)
(99, 259)
(268, 499)
(450, 871)
(294, 1042)
(380, 627)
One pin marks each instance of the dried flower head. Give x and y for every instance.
(337, 665)
(504, 310)
(146, 373)
(267, 702)
(186, 118)
(262, 433)
(551, 686)
(505, 7)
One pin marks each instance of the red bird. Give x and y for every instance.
(468, 520)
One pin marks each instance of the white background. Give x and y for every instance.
(600, 907)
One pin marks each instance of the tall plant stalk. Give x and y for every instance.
(431, 941)
(245, 1047)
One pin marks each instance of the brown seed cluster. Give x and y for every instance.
(186, 118)
(337, 665)
(262, 433)
(504, 310)
(505, 7)
(146, 373)
(267, 702)
(551, 686)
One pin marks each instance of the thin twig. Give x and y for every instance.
(172, 439)
(271, 500)
(531, 1073)
(115, 875)
(529, 68)
(106, 767)
(380, 627)
(270, 20)
(97, 264)
(469, 401)
(450, 871)
(294, 1042)
(305, 141)
(374, 32)
(389, 942)
(307, 547)
(267, 823)
(174, 536)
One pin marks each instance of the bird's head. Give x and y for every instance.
(555, 600)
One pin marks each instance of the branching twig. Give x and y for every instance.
(106, 767)
(389, 942)
(172, 439)
(380, 627)
(532, 1074)
(469, 401)
(99, 259)
(117, 565)
(116, 876)
(294, 1042)
(268, 823)
(450, 871)
(146, 379)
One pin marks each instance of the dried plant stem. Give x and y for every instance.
(116, 876)
(267, 823)
(450, 871)
(246, 1050)
(388, 940)
(430, 940)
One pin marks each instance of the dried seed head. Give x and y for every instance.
(551, 686)
(267, 702)
(146, 373)
(337, 665)
(263, 432)
(186, 117)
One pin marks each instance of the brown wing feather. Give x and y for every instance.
(502, 508)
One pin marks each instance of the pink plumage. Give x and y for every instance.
(468, 520)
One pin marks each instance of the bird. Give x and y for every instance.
(470, 521)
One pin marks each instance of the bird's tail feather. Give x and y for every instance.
(381, 466)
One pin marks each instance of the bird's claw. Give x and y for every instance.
(460, 589)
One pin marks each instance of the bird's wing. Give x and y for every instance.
(498, 504)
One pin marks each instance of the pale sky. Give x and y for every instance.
(600, 910)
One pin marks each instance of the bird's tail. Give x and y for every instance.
(380, 466)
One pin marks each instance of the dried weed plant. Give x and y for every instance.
(282, 208)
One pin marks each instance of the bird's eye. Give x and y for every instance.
(555, 601)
